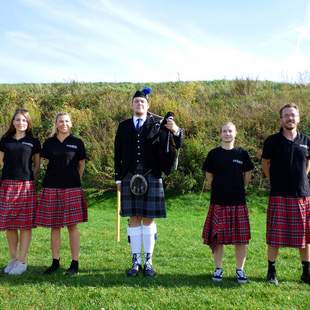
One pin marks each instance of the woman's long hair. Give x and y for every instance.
(54, 129)
(12, 130)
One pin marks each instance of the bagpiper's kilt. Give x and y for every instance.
(150, 205)
(226, 225)
(288, 222)
(59, 207)
(18, 202)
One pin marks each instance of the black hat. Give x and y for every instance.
(144, 93)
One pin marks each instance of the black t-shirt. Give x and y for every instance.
(63, 158)
(228, 167)
(288, 162)
(17, 160)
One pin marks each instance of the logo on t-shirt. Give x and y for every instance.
(27, 143)
(304, 146)
(72, 146)
(237, 161)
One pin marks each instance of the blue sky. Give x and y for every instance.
(154, 41)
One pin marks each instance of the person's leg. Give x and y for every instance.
(12, 240)
(55, 242)
(305, 261)
(74, 238)
(272, 253)
(149, 233)
(20, 265)
(218, 254)
(55, 247)
(134, 231)
(24, 243)
(240, 253)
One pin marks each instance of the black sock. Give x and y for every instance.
(305, 268)
(271, 266)
(74, 264)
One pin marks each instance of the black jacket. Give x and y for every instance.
(132, 148)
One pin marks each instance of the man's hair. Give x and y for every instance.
(288, 105)
(227, 123)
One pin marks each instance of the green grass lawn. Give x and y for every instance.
(184, 266)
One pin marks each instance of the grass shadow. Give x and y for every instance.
(108, 278)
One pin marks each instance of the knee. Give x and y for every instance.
(134, 221)
(148, 221)
(72, 228)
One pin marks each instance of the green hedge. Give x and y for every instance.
(200, 107)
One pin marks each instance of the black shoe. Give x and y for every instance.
(53, 268)
(271, 278)
(148, 270)
(73, 270)
(305, 278)
(136, 267)
(134, 270)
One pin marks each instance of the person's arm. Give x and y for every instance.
(117, 157)
(36, 165)
(1, 159)
(308, 166)
(266, 167)
(209, 177)
(81, 167)
(247, 178)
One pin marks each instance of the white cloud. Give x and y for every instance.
(98, 40)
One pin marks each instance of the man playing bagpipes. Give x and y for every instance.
(145, 146)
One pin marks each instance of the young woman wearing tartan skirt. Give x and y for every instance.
(228, 170)
(286, 162)
(20, 161)
(62, 202)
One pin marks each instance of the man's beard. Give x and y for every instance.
(288, 127)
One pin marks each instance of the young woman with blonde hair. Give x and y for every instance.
(62, 202)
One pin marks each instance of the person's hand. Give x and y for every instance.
(118, 185)
(172, 126)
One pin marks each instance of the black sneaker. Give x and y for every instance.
(218, 275)
(134, 270)
(148, 270)
(305, 278)
(241, 276)
(136, 267)
(73, 270)
(53, 268)
(271, 278)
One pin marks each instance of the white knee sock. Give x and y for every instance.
(149, 237)
(135, 240)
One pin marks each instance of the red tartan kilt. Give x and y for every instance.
(59, 207)
(288, 222)
(226, 225)
(18, 202)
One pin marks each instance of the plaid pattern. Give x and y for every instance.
(59, 207)
(18, 202)
(226, 225)
(150, 205)
(288, 222)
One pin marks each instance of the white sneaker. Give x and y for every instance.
(18, 268)
(10, 265)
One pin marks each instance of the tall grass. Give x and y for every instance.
(200, 107)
